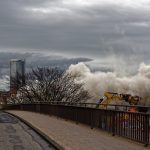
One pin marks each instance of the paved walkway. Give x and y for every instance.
(15, 135)
(76, 137)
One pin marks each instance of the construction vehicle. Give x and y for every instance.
(123, 120)
(110, 98)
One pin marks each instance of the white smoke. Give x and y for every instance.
(99, 82)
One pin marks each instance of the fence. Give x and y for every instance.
(132, 125)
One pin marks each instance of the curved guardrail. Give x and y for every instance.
(132, 125)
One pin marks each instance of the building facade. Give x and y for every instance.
(17, 73)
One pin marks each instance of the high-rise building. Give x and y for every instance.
(17, 73)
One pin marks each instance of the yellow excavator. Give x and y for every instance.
(110, 97)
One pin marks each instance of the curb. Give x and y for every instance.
(42, 134)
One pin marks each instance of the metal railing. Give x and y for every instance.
(91, 105)
(133, 125)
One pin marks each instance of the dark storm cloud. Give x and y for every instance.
(37, 60)
(33, 60)
(104, 30)
(54, 25)
(116, 34)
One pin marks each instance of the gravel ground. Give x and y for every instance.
(73, 136)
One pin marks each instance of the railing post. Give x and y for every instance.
(92, 123)
(37, 108)
(76, 116)
(113, 123)
(146, 130)
(21, 107)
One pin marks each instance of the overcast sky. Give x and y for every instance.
(110, 34)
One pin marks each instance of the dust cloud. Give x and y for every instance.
(99, 82)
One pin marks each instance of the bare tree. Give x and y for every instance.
(51, 84)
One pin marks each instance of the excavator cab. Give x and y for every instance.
(110, 97)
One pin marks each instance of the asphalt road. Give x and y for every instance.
(15, 135)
